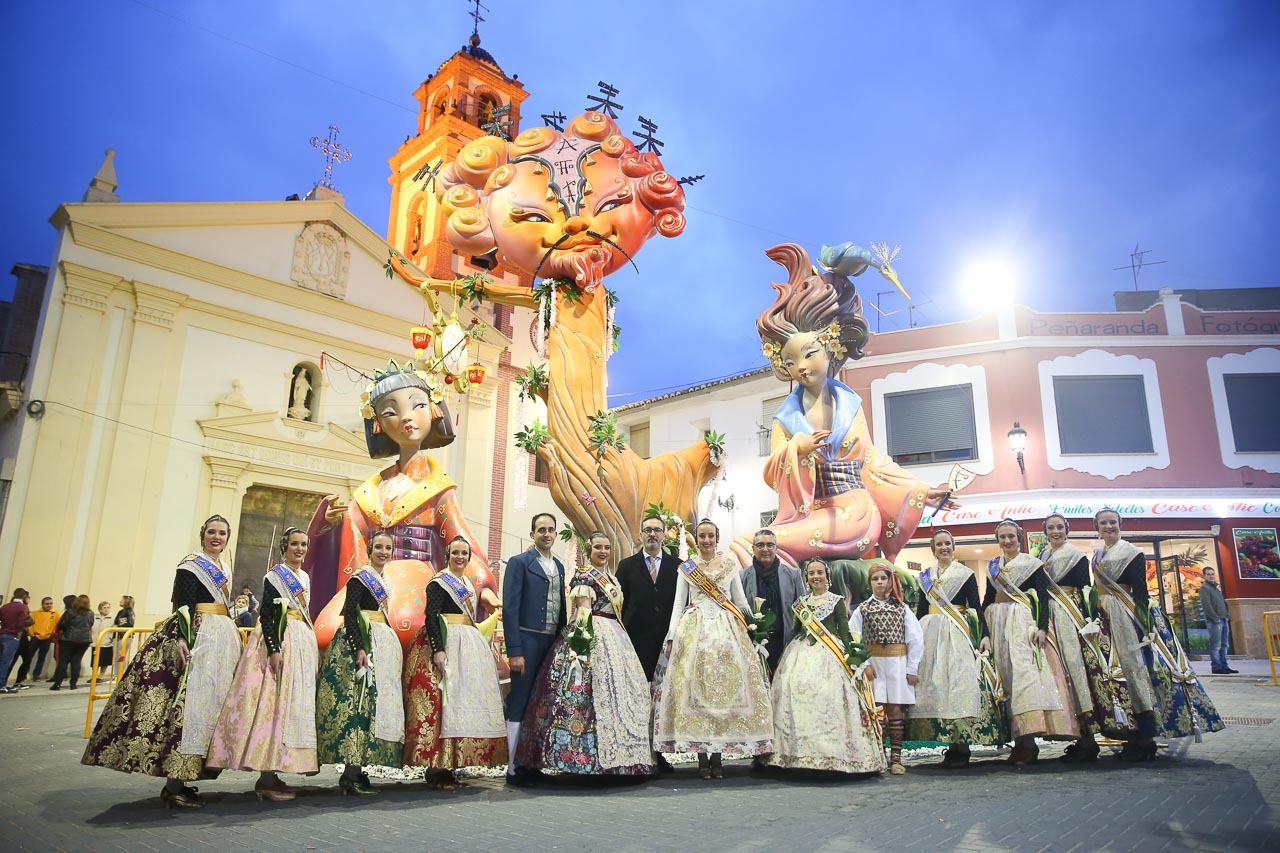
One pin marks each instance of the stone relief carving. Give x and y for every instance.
(321, 259)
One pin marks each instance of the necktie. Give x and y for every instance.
(653, 569)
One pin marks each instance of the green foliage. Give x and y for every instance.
(763, 624)
(604, 433)
(580, 640)
(855, 654)
(975, 627)
(386, 267)
(715, 441)
(617, 333)
(472, 287)
(671, 521)
(533, 381)
(531, 437)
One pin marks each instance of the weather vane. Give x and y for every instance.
(333, 153)
(475, 16)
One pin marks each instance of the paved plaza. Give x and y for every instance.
(1223, 794)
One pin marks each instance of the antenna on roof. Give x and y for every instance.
(1138, 260)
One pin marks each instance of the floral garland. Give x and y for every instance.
(829, 338)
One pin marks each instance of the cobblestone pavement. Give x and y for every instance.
(1223, 794)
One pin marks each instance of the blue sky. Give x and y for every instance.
(1053, 135)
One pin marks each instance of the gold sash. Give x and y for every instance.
(699, 579)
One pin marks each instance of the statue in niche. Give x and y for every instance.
(300, 397)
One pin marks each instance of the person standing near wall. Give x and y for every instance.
(1218, 618)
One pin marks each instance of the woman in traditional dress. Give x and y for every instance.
(269, 721)
(160, 718)
(1162, 688)
(413, 499)
(1040, 702)
(360, 702)
(891, 633)
(714, 699)
(1081, 644)
(837, 494)
(589, 714)
(821, 720)
(959, 698)
(461, 725)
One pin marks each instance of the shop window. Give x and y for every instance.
(766, 518)
(1250, 401)
(931, 425)
(638, 438)
(1102, 414)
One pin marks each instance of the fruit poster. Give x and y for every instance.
(1257, 553)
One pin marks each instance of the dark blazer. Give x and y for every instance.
(524, 599)
(790, 584)
(646, 606)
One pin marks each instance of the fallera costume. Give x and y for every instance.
(1164, 692)
(713, 697)
(959, 699)
(1097, 693)
(892, 635)
(269, 723)
(160, 719)
(822, 721)
(462, 725)
(361, 721)
(590, 717)
(1039, 699)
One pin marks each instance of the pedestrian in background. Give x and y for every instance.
(102, 622)
(14, 619)
(1218, 618)
(124, 619)
(44, 624)
(75, 630)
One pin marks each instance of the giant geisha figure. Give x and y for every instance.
(413, 499)
(838, 496)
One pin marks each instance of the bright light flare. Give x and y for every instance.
(991, 280)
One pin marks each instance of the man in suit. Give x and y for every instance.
(778, 584)
(533, 605)
(648, 584)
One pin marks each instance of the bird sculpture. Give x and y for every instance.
(848, 259)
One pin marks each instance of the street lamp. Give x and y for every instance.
(727, 503)
(1018, 444)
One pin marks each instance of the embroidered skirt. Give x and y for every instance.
(269, 723)
(593, 719)
(819, 724)
(1098, 695)
(355, 722)
(151, 726)
(1039, 702)
(469, 730)
(954, 703)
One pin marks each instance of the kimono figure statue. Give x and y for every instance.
(590, 716)
(838, 496)
(1163, 690)
(1097, 687)
(1040, 701)
(822, 720)
(413, 500)
(959, 699)
(453, 702)
(714, 698)
(160, 718)
(268, 723)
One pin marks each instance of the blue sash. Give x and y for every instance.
(611, 590)
(926, 580)
(212, 574)
(295, 588)
(375, 585)
(461, 594)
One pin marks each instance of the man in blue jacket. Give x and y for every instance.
(533, 604)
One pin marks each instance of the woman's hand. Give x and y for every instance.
(275, 662)
(666, 649)
(870, 672)
(985, 645)
(806, 443)
(913, 680)
(362, 659)
(184, 653)
(1042, 639)
(438, 660)
(336, 510)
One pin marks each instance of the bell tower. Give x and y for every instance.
(454, 105)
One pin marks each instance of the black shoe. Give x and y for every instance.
(1230, 671)
(663, 765)
(187, 798)
(1138, 750)
(1221, 671)
(56, 687)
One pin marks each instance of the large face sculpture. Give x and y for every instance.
(574, 205)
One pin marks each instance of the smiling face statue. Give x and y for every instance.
(575, 205)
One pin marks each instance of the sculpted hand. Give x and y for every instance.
(517, 664)
(806, 443)
(336, 510)
(275, 662)
(936, 494)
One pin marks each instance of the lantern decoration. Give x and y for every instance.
(476, 372)
(453, 346)
(421, 337)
